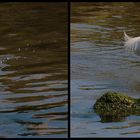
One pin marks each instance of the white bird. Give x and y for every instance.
(132, 43)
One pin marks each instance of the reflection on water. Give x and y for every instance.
(33, 74)
(100, 63)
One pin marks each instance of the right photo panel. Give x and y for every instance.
(105, 69)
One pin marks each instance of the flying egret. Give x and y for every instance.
(132, 43)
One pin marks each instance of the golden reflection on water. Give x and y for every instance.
(33, 74)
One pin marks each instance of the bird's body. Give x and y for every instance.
(132, 44)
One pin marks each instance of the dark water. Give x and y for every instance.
(33, 70)
(100, 63)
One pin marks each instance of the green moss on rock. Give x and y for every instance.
(116, 105)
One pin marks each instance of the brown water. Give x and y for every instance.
(33, 70)
(100, 63)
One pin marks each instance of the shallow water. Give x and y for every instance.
(100, 63)
(33, 70)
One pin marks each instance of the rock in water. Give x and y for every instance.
(114, 106)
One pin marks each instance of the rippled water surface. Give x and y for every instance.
(100, 63)
(33, 70)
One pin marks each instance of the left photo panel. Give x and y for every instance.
(34, 70)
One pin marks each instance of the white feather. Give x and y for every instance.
(132, 43)
(126, 37)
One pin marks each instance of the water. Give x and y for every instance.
(33, 70)
(100, 63)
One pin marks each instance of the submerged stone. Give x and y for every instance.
(114, 106)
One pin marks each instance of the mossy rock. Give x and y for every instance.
(116, 105)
